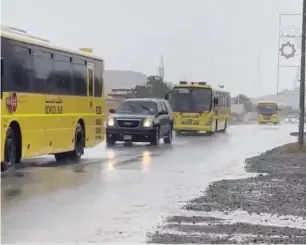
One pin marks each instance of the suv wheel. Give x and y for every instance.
(155, 137)
(168, 138)
(110, 141)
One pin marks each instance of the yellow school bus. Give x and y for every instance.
(52, 99)
(199, 107)
(268, 112)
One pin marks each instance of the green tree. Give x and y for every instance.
(246, 101)
(155, 87)
(141, 91)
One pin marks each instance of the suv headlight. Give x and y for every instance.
(110, 122)
(147, 123)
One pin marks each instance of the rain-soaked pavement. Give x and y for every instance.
(118, 195)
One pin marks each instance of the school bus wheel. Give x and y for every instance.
(216, 126)
(61, 157)
(178, 133)
(10, 149)
(78, 151)
(79, 145)
(210, 133)
(225, 126)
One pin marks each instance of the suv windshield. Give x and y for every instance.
(137, 107)
(191, 99)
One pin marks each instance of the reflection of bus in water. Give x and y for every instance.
(51, 99)
(198, 107)
(268, 112)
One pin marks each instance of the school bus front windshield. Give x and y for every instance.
(193, 100)
(267, 109)
(268, 113)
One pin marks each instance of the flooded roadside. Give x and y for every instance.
(267, 208)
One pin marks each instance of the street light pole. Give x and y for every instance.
(302, 83)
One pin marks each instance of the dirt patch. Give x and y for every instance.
(279, 189)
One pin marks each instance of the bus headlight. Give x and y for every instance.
(110, 122)
(208, 123)
(148, 123)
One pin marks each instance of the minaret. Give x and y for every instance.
(161, 68)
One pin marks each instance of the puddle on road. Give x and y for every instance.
(206, 218)
(220, 227)
(129, 201)
(236, 189)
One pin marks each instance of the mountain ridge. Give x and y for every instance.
(115, 79)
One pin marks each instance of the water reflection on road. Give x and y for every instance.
(118, 194)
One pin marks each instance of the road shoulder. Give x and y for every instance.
(267, 208)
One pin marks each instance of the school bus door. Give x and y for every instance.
(90, 121)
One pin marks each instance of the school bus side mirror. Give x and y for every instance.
(216, 101)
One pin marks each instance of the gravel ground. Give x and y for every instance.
(279, 190)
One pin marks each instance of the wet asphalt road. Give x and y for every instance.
(119, 194)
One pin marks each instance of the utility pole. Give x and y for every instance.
(302, 83)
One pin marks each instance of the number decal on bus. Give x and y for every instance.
(53, 109)
(190, 122)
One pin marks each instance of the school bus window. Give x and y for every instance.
(43, 71)
(228, 101)
(5, 66)
(21, 67)
(98, 80)
(2, 66)
(63, 76)
(98, 86)
(90, 82)
(79, 77)
(220, 100)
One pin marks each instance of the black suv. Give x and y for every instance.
(140, 120)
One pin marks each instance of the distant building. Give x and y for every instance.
(238, 109)
(120, 94)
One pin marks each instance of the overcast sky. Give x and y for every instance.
(217, 41)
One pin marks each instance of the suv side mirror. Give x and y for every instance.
(112, 111)
(166, 96)
(216, 101)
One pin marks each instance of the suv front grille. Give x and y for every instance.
(126, 123)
